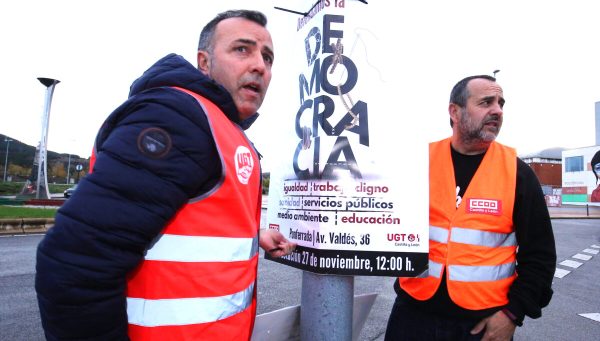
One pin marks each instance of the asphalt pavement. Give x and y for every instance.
(577, 293)
(568, 317)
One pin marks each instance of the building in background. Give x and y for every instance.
(547, 165)
(578, 178)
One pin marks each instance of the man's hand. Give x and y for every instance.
(498, 327)
(275, 243)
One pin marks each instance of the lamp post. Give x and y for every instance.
(42, 176)
(7, 140)
(69, 164)
(495, 72)
(69, 169)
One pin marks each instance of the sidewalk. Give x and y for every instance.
(577, 211)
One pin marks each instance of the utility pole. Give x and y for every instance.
(8, 141)
(69, 169)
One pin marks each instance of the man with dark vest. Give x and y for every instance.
(492, 254)
(160, 241)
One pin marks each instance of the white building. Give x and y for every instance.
(578, 179)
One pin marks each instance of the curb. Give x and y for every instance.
(25, 225)
(575, 217)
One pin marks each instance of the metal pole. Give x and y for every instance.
(43, 156)
(7, 140)
(326, 307)
(69, 169)
(587, 209)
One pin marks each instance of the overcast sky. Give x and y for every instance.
(547, 52)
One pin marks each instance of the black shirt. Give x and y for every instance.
(536, 255)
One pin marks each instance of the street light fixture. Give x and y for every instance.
(495, 72)
(8, 141)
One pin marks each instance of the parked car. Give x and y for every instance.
(69, 191)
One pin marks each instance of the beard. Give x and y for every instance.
(477, 132)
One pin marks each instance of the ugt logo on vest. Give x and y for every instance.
(484, 206)
(243, 164)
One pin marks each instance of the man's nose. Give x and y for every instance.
(259, 65)
(497, 109)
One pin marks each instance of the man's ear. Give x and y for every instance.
(203, 62)
(453, 112)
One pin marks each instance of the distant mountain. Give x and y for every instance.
(23, 154)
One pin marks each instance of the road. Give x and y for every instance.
(279, 286)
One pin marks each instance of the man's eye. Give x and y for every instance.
(241, 49)
(268, 59)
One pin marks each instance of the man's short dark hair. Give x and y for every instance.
(208, 31)
(460, 92)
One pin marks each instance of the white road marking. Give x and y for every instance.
(560, 273)
(592, 251)
(596, 246)
(582, 256)
(571, 263)
(21, 235)
(591, 316)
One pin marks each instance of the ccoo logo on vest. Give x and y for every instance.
(484, 206)
(244, 163)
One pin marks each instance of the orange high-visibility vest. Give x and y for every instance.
(198, 279)
(475, 242)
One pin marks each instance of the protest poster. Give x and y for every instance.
(351, 188)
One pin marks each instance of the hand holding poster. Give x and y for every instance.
(353, 190)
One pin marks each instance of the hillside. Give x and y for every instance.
(21, 157)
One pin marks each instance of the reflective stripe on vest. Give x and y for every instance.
(482, 238)
(468, 273)
(474, 237)
(176, 248)
(438, 234)
(182, 311)
(435, 269)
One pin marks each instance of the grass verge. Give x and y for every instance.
(9, 212)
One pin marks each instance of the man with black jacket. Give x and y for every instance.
(160, 241)
(492, 253)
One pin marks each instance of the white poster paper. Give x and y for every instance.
(352, 187)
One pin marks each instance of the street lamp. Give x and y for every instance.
(69, 165)
(495, 72)
(7, 140)
(42, 171)
(69, 168)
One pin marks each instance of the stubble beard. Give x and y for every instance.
(472, 132)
